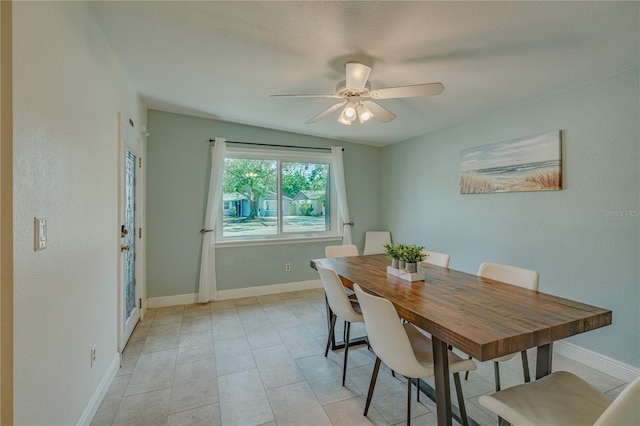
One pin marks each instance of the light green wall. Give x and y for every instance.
(580, 250)
(177, 177)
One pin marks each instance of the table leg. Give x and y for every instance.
(443, 395)
(426, 389)
(544, 360)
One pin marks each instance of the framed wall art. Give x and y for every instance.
(532, 163)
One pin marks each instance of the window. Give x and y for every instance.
(276, 195)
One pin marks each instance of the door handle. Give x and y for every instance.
(125, 248)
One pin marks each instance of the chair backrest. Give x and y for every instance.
(336, 295)
(341, 251)
(374, 241)
(438, 259)
(513, 275)
(624, 410)
(386, 335)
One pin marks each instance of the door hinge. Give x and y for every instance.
(140, 162)
(140, 303)
(140, 232)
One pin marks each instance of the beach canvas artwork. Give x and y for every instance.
(526, 164)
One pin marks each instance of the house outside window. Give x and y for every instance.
(276, 195)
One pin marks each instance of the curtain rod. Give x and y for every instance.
(276, 145)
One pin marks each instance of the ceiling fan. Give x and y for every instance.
(356, 93)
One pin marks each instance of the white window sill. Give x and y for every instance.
(277, 241)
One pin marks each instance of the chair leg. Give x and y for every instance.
(418, 390)
(408, 401)
(525, 367)
(466, 373)
(347, 325)
(461, 406)
(372, 385)
(331, 328)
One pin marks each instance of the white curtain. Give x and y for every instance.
(337, 167)
(207, 287)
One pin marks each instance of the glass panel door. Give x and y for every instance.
(128, 291)
(129, 234)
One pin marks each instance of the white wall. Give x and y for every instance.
(68, 89)
(580, 239)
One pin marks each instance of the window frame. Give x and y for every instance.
(288, 156)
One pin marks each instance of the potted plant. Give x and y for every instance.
(401, 253)
(411, 255)
(391, 251)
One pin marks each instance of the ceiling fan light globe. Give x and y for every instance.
(364, 113)
(348, 114)
(350, 111)
(343, 120)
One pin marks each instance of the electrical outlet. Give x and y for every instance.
(287, 267)
(93, 355)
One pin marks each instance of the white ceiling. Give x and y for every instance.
(222, 60)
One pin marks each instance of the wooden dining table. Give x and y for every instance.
(479, 316)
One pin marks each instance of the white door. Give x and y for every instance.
(129, 293)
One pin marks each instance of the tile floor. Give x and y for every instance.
(259, 361)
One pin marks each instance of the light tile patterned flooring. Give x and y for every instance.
(259, 361)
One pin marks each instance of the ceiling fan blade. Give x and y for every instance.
(380, 112)
(306, 96)
(326, 112)
(429, 89)
(357, 75)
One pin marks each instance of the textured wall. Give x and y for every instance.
(68, 89)
(178, 174)
(582, 248)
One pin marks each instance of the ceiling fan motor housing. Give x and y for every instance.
(343, 91)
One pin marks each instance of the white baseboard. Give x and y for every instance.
(614, 368)
(178, 299)
(187, 299)
(101, 391)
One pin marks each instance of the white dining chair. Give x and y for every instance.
(374, 242)
(403, 348)
(562, 398)
(520, 277)
(347, 250)
(435, 258)
(341, 306)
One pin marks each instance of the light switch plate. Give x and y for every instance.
(40, 225)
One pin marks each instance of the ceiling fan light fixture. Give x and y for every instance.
(350, 111)
(348, 114)
(364, 113)
(343, 120)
